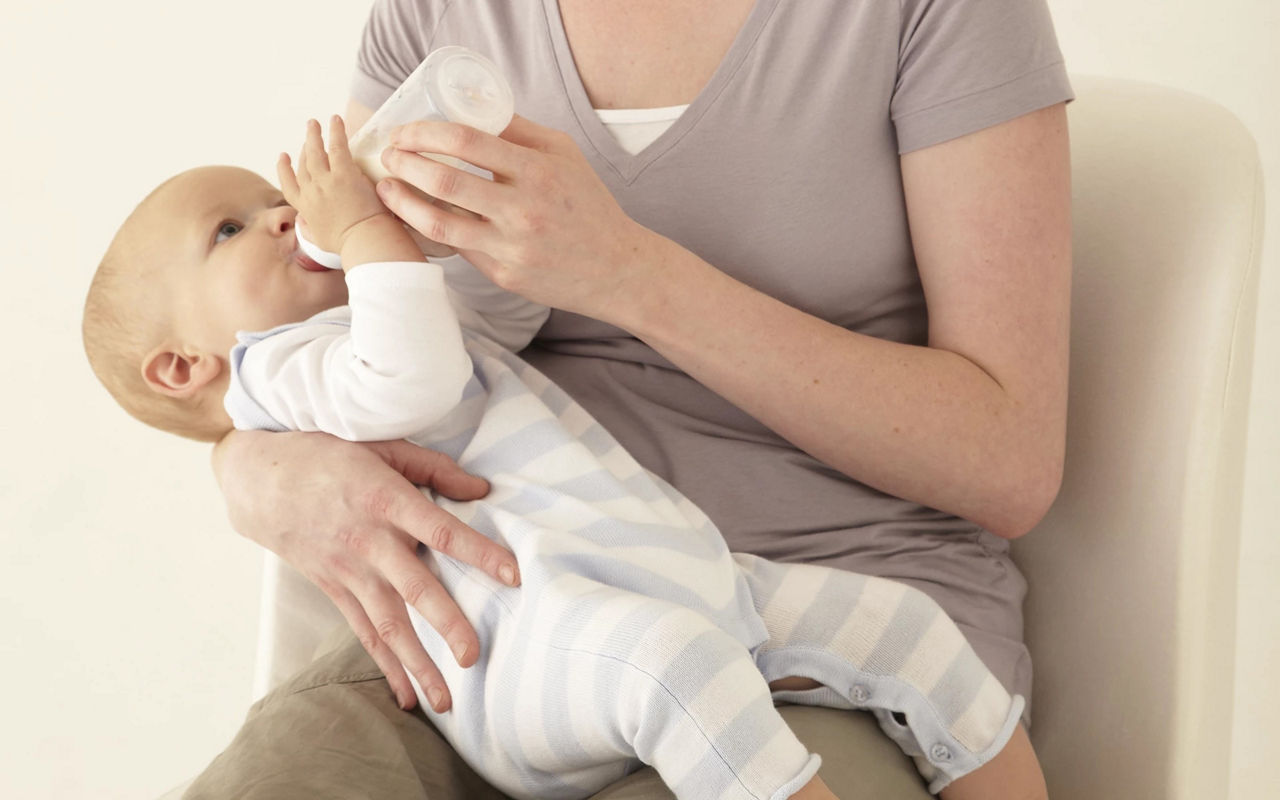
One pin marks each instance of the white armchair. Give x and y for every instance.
(1132, 606)
(1131, 612)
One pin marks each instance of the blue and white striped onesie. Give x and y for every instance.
(635, 637)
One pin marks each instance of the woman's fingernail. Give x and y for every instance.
(508, 574)
(435, 696)
(459, 650)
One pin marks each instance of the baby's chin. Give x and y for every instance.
(303, 311)
(331, 300)
(324, 290)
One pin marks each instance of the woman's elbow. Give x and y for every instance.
(1026, 499)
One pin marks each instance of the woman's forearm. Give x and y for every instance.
(919, 423)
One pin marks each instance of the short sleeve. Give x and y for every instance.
(965, 65)
(397, 36)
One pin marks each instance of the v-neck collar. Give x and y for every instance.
(628, 167)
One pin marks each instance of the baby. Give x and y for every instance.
(635, 637)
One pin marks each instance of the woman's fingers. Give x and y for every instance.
(472, 145)
(416, 586)
(527, 133)
(443, 532)
(377, 649)
(432, 221)
(431, 525)
(391, 625)
(446, 182)
(431, 468)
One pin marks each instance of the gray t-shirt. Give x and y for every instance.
(783, 173)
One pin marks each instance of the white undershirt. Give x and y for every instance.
(637, 128)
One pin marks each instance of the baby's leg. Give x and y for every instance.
(671, 689)
(888, 648)
(578, 683)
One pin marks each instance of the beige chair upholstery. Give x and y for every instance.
(1131, 613)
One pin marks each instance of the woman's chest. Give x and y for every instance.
(650, 54)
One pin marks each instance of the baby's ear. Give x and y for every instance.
(179, 374)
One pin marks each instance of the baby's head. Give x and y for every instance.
(209, 252)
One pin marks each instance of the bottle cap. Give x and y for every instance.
(468, 88)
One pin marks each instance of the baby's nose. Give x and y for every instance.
(281, 219)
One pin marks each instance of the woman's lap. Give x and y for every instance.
(858, 761)
(334, 731)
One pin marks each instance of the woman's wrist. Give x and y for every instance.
(222, 453)
(651, 270)
(244, 473)
(660, 278)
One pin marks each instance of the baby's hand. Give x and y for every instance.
(329, 190)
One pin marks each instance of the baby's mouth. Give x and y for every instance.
(308, 264)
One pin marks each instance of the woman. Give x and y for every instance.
(829, 302)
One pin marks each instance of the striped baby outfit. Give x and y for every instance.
(635, 637)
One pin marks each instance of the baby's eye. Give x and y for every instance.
(226, 230)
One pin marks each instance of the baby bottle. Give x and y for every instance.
(453, 84)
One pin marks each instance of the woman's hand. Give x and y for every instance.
(548, 229)
(345, 516)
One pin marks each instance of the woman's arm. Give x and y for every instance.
(972, 424)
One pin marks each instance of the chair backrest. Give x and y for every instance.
(1131, 611)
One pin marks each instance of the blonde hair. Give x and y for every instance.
(125, 317)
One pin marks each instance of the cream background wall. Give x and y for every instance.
(129, 606)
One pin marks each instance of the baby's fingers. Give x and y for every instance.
(338, 139)
(313, 149)
(288, 181)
